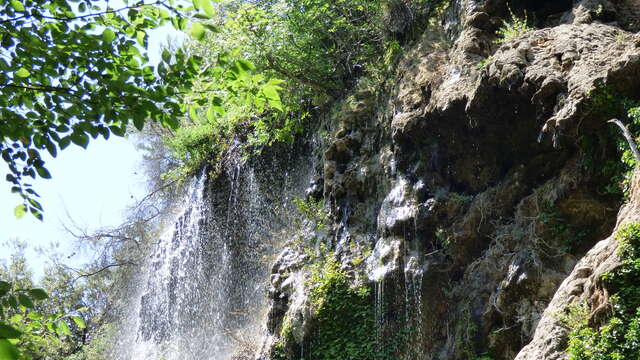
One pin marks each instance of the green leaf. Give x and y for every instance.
(43, 172)
(166, 56)
(217, 105)
(212, 28)
(17, 5)
(38, 294)
(13, 302)
(23, 73)
(51, 147)
(246, 65)
(34, 315)
(35, 212)
(19, 211)
(272, 96)
(237, 68)
(193, 114)
(108, 36)
(64, 142)
(208, 7)
(79, 322)
(25, 301)
(197, 31)
(80, 139)
(9, 332)
(64, 327)
(138, 122)
(196, 4)
(4, 287)
(35, 204)
(117, 131)
(211, 116)
(140, 36)
(8, 351)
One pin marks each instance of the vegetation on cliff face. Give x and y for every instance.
(264, 72)
(345, 326)
(619, 337)
(608, 103)
(304, 54)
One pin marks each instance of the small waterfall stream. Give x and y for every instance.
(201, 295)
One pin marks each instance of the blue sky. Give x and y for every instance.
(93, 187)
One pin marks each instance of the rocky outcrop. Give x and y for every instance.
(582, 286)
(463, 195)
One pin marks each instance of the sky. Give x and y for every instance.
(89, 188)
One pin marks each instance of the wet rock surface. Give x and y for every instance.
(463, 197)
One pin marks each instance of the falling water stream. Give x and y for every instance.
(201, 295)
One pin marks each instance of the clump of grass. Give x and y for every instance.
(513, 28)
(484, 62)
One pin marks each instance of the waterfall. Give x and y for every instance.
(201, 294)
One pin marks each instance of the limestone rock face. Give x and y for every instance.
(469, 196)
(582, 286)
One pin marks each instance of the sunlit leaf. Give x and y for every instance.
(63, 327)
(108, 35)
(23, 73)
(8, 351)
(208, 7)
(17, 5)
(193, 114)
(79, 322)
(140, 37)
(20, 211)
(197, 31)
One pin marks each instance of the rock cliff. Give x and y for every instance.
(464, 202)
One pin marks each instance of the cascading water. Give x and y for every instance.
(202, 293)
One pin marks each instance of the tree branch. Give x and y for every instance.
(104, 268)
(629, 137)
(85, 16)
(40, 88)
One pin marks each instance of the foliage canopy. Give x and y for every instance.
(51, 321)
(72, 70)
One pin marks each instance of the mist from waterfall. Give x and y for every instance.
(202, 293)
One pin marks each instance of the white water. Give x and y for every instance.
(201, 295)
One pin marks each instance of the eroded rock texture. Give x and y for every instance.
(470, 197)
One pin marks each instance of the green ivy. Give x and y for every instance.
(346, 328)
